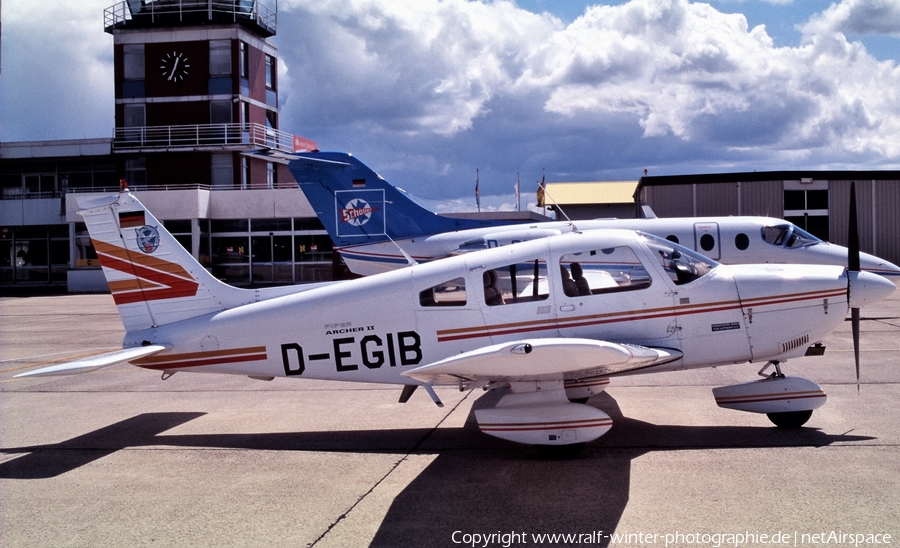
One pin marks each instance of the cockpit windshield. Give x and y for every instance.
(788, 236)
(681, 264)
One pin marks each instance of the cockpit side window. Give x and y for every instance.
(681, 264)
(516, 283)
(599, 271)
(789, 236)
(450, 293)
(775, 234)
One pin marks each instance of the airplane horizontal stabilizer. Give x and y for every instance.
(95, 362)
(542, 359)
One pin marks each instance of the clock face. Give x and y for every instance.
(174, 66)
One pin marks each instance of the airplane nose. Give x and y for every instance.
(877, 265)
(866, 288)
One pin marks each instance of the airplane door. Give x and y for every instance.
(706, 239)
(518, 301)
(609, 294)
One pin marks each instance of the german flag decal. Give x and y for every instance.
(131, 219)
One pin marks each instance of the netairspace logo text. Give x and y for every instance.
(713, 540)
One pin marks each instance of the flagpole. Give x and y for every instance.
(518, 203)
(477, 192)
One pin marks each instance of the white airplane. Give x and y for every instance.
(377, 227)
(550, 319)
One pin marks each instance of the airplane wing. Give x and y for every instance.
(95, 362)
(542, 359)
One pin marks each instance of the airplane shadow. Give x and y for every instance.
(476, 483)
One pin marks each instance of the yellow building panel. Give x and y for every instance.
(608, 192)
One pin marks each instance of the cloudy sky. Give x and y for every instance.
(426, 91)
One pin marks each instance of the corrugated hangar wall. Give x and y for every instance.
(878, 210)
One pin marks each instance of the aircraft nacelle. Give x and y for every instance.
(535, 419)
(777, 394)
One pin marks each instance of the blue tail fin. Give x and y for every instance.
(357, 206)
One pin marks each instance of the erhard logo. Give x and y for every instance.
(358, 212)
(147, 238)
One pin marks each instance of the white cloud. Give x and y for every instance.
(859, 17)
(671, 68)
(57, 79)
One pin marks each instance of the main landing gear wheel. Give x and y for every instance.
(790, 419)
(559, 452)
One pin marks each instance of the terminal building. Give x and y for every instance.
(196, 87)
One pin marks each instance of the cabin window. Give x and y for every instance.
(681, 264)
(516, 283)
(451, 293)
(742, 241)
(601, 271)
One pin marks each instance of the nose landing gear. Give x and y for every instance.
(787, 401)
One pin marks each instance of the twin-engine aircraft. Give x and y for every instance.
(377, 227)
(549, 319)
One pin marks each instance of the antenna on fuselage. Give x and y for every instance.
(545, 195)
(409, 260)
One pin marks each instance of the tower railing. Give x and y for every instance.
(140, 13)
(207, 136)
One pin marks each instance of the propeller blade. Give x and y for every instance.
(853, 233)
(853, 266)
(854, 322)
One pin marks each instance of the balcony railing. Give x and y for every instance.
(208, 136)
(143, 13)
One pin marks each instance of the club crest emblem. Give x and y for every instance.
(147, 238)
(358, 212)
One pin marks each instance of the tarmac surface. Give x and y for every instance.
(121, 457)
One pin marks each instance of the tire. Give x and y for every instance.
(790, 419)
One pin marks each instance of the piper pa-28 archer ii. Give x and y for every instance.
(377, 227)
(549, 320)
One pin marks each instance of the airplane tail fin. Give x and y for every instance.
(358, 206)
(153, 279)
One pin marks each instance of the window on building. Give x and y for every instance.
(270, 175)
(219, 57)
(806, 205)
(222, 167)
(134, 121)
(245, 60)
(220, 112)
(270, 72)
(245, 173)
(133, 70)
(133, 61)
(136, 171)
